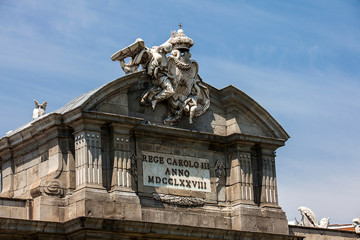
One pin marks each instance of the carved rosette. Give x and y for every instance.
(179, 200)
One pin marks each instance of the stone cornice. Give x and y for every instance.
(196, 135)
(233, 98)
(83, 226)
(29, 131)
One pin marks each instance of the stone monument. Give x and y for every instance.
(157, 153)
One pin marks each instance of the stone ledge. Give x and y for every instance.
(321, 232)
(94, 227)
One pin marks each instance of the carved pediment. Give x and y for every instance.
(169, 91)
(231, 110)
(245, 115)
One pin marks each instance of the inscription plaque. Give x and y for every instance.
(174, 171)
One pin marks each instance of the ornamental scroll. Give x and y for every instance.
(174, 78)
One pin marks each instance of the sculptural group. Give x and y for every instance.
(174, 78)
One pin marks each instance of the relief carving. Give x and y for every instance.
(174, 78)
(178, 200)
(42, 186)
(219, 170)
(53, 187)
(134, 167)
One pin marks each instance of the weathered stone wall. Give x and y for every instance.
(15, 208)
(213, 211)
(106, 156)
(38, 167)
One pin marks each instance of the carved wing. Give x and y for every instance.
(36, 103)
(194, 69)
(143, 57)
(129, 51)
(44, 104)
(203, 98)
(306, 212)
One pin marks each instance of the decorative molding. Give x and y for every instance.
(44, 156)
(133, 170)
(42, 186)
(179, 200)
(53, 187)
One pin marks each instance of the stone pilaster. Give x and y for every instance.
(122, 162)
(120, 154)
(247, 191)
(88, 156)
(268, 179)
(240, 176)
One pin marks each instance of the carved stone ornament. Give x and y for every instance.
(53, 187)
(309, 219)
(219, 170)
(178, 200)
(174, 78)
(356, 223)
(40, 109)
(134, 167)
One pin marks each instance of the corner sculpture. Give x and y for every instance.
(40, 109)
(309, 219)
(174, 78)
(356, 224)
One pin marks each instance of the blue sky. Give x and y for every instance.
(298, 59)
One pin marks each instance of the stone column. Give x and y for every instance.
(88, 157)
